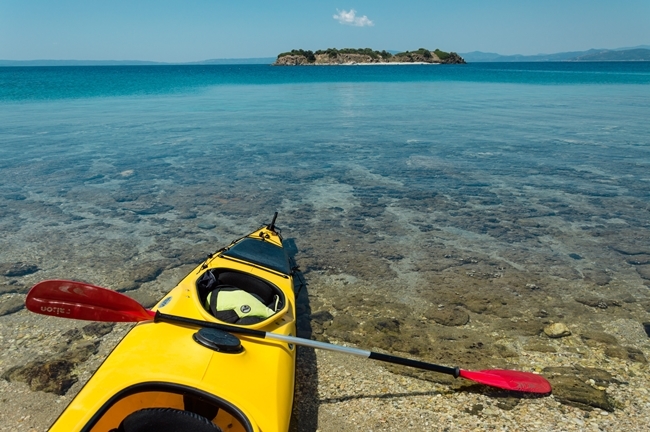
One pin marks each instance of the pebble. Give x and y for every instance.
(557, 330)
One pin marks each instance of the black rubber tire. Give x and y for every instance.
(166, 420)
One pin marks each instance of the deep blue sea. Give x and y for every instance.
(543, 166)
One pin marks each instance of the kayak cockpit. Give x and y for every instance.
(240, 298)
(169, 403)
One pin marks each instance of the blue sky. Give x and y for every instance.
(192, 30)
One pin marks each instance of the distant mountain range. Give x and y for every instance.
(638, 53)
(232, 61)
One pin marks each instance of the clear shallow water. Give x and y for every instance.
(526, 166)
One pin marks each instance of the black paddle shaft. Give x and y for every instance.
(162, 317)
(415, 363)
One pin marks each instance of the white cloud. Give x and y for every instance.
(351, 18)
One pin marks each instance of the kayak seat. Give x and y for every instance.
(249, 284)
(226, 280)
(166, 420)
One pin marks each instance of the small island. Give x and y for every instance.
(361, 56)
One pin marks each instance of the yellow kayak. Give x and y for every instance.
(169, 377)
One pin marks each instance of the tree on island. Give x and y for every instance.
(367, 55)
(333, 53)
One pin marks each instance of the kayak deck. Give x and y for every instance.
(161, 365)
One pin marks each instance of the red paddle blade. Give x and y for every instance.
(509, 380)
(78, 300)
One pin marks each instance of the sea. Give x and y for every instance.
(404, 182)
(450, 212)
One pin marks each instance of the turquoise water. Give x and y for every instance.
(37, 83)
(525, 163)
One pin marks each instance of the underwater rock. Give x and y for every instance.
(448, 317)
(126, 197)
(146, 272)
(98, 329)
(15, 197)
(646, 327)
(593, 338)
(11, 305)
(385, 325)
(505, 351)
(626, 353)
(570, 386)
(597, 302)
(154, 209)
(631, 250)
(508, 403)
(477, 305)
(73, 335)
(636, 355)
(539, 347)
(643, 271)
(344, 323)
(13, 288)
(321, 317)
(639, 260)
(126, 286)
(145, 298)
(599, 277)
(475, 409)
(523, 328)
(557, 330)
(575, 392)
(52, 374)
(567, 273)
(17, 269)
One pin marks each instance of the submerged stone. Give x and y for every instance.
(448, 317)
(146, 272)
(98, 329)
(145, 298)
(573, 391)
(597, 302)
(639, 260)
(646, 327)
(13, 288)
(571, 386)
(626, 353)
(598, 277)
(15, 197)
(321, 317)
(592, 338)
(539, 347)
(18, 269)
(11, 305)
(557, 330)
(52, 374)
(643, 271)
(154, 209)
